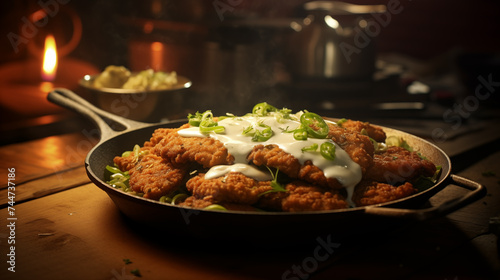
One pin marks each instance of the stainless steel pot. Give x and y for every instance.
(335, 40)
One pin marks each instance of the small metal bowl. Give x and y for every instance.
(139, 105)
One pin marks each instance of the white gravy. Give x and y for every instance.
(342, 168)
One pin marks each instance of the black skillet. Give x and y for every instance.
(254, 225)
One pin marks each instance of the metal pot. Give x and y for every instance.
(333, 41)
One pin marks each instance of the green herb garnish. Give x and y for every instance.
(259, 135)
(276, 186)
(422, 183)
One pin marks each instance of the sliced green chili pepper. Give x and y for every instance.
(327, 150)
(300, 134)
(263, 109)
(315, 125)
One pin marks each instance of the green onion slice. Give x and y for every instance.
(165, 199)
(312, 148)
(113, 169)
(126, 153)
(180, 197)
(215, 207)
(194, 120)
(283, 114)
(208, 124)
(341, 121)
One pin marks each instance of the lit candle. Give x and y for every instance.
(49, 65)
(25, 84)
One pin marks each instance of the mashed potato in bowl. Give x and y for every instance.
(120, 77)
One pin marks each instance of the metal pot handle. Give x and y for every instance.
(70, 100)
(477, 191)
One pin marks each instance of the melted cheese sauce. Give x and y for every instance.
(342, 168)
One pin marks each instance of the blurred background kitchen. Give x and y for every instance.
(393, 62)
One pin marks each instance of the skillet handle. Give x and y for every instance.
(477, 191)
(70, 100)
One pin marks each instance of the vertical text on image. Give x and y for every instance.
(11, 219)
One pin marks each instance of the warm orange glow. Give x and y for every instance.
(148, 27)
(49, 67)
(38, 15)
(157, 56)
(46, 87)
(157, 47)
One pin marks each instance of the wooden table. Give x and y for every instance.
(64, 227)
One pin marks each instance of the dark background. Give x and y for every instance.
(237, 52)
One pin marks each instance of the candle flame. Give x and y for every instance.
(49, 67)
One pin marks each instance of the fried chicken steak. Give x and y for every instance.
(294, 180)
